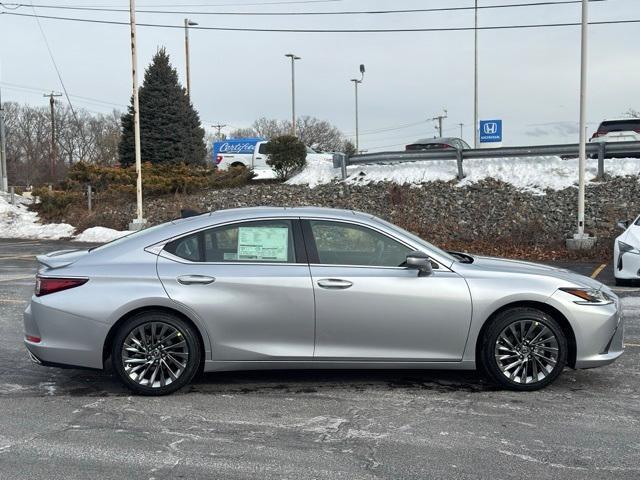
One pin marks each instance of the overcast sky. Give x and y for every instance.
(528, 77)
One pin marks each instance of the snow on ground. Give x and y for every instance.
(18, 222)
(100, 235)
(534, 174)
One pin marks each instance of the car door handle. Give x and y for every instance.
(195, 279)
(334, 283)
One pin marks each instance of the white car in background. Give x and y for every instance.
(253, 155)
(621, 130)
(626, 253)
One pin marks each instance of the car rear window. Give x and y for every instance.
(427, 146)
(620, 126)
(257, 241)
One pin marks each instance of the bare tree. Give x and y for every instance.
(632, 113)
(243, 133)
(85, 137)
(316, 133)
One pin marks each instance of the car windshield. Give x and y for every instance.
(417, 239)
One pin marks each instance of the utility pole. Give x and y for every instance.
(440, 118)
(475, 80)
(53, 152)
(4, 183)
(187, 23)
(461, 132)
(583, 117)
(356, 82)
(219, 128)
(293, 91)
(138, 222)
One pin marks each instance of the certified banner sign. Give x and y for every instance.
(235, 146)
(490, 131)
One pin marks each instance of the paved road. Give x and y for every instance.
(72, 424)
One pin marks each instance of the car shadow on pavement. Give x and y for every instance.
(321, 381)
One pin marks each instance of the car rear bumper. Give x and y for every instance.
(65, 339)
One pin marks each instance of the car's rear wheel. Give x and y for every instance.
(155, 353)
(524, 349)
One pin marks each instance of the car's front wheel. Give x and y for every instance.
(155, 353)
(524, 349)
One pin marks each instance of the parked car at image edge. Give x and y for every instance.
(273, 288)
(443, 143)
(626, 253)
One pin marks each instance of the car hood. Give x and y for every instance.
(529, 268)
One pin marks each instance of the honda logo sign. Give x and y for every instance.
(490, 131)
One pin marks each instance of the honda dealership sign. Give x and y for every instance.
(490, 131)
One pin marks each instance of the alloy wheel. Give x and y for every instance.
(155, 354)
(526, 351)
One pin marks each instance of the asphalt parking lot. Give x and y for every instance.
(68, 424)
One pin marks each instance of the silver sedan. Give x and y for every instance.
(268, 288)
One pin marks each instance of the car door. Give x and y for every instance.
(249, 282)
(369, 307)
(260, 157)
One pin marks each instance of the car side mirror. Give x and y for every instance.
(421, 262)
(623, 224)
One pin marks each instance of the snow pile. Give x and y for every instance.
(533, 174)
(100, 235)
(18, 222)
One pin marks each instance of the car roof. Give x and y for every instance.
(435, 140)
(262, 212)
(628, 119)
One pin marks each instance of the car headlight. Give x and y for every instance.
(626, 248)
(589, 296)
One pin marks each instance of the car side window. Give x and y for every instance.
(262, 148)
(340, 243)
(269, 241)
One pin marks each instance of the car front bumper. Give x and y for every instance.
(607, 341)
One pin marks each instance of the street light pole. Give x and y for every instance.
(138, 222)
(583, 117)
(356, 82)
(4, 183)
(293, 91)
(475, 79)
(187, 23)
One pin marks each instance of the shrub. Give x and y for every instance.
(287, 154)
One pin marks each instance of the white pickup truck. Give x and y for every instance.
(251, 153)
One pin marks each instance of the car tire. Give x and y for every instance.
(156, 353)
(523, 349)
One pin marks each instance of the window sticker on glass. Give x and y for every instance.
(263, 243)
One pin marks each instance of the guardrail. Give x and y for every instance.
(599, 149)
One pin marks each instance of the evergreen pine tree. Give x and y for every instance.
(170, 130)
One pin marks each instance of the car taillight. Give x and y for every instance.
(47, 285)
(218, 159)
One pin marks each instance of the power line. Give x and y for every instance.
(16, 86)
(324, 13)
(55, 65)
(323, 30)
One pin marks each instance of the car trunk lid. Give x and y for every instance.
(60, 258)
